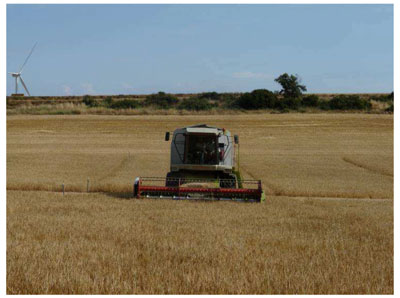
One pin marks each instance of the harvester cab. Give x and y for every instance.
(204, 165)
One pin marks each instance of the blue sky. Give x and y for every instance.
(141, 49)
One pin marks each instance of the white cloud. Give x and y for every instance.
(251, 75)
(87, 88)
(67, 90)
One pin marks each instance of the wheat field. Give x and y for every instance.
(326, 227)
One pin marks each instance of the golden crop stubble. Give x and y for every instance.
(96, 243)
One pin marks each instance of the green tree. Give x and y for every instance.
(108, 101)
(257, 99)
(349, 102)
(89, 101)
(125, 104)
(195, 103)
(161, 100)
(210, 95)
(310, 100)
(290, 85)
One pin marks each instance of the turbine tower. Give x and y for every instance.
(17, 75)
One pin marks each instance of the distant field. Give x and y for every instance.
(327, 225)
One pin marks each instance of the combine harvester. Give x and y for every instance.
(204, 166)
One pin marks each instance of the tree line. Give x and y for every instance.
(290, 97)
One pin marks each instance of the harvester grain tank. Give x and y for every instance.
(204, 165)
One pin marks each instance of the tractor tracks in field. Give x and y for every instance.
(270, 187)
(302, 198)
(120, 166)
(126, 193)
(367, 168)
(274, 191)
(271, 190)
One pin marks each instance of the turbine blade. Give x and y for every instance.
(23, 84)
(26, 60)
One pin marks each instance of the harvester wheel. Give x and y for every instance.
(228, 181)
(136, 187)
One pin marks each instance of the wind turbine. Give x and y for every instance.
(17, 75)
